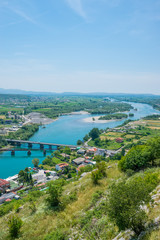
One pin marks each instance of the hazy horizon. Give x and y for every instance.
(80, 46)
(22, 91)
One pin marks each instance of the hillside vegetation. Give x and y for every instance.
(83, 208)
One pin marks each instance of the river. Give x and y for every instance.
(66, 130)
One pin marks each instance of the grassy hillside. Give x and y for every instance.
(44, 220)
(83, 215)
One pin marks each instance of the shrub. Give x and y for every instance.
(54, 194)
(137, 158)
(15, 224)
(95, 176)
(56, 235)
(125, 199)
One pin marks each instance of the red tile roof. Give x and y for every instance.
(42, 184)
(3, 182)
(8, 200)
(62, 164)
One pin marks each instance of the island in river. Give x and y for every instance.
(107, 118)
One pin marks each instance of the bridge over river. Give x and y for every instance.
(30, 144)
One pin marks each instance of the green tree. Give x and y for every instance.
(126, 197)
(14, 224)
(67, 150)
(32, 207)
(98, 158)
(102, 168)
(54, 194)
(35, 162)
(86, 137)
(153, 148)
(79, 142)
(94, 133)
(48, 174)
(137, 158)
(97, 141)
(69, 175)
(95, 176)
(26, 169)
(57, 153)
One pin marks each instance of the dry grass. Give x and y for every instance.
(129, 136)
(2, 117)
(153, 124)
(37, 225)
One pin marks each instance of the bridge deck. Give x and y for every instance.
(40, 143)
(22, 149)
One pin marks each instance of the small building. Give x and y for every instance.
(4, 185)
(119, 140)
(47, 171)
(41, 185)
(61, 166)
(88, 157)
(52, 173)
(73, 149)
(2, 200)
(90, 162)
(91, 151)
(81, 151)
(78, 161)
(3, 131)
(111, 153)
(10, 196)
(79, 168)
(65, 155)
(101, 152)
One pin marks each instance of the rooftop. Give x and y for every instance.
(62, 164)
(3, 182)
(79, 160)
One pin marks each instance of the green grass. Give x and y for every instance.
(111, 145)
(44, 221)
(56, 160)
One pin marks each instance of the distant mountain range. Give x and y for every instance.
(23, 92)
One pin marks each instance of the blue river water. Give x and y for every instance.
(66, 130)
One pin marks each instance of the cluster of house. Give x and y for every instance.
(7, 194)
(41, 176)
(86, 158)
(14, 128)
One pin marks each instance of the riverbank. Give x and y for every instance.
(67, 130)
(75, 113)
(96, 120)
(38, 118)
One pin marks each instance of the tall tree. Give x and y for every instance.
(35, 162)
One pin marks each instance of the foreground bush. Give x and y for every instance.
(14, 224)
(142, 156)
(54, 194)
(126, 198)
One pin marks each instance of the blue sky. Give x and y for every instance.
(80, 45)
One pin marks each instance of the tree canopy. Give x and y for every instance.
(141, 156)
(126, 197)
(94, 133)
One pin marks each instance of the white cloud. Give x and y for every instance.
(22, 15)
(76, 5)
